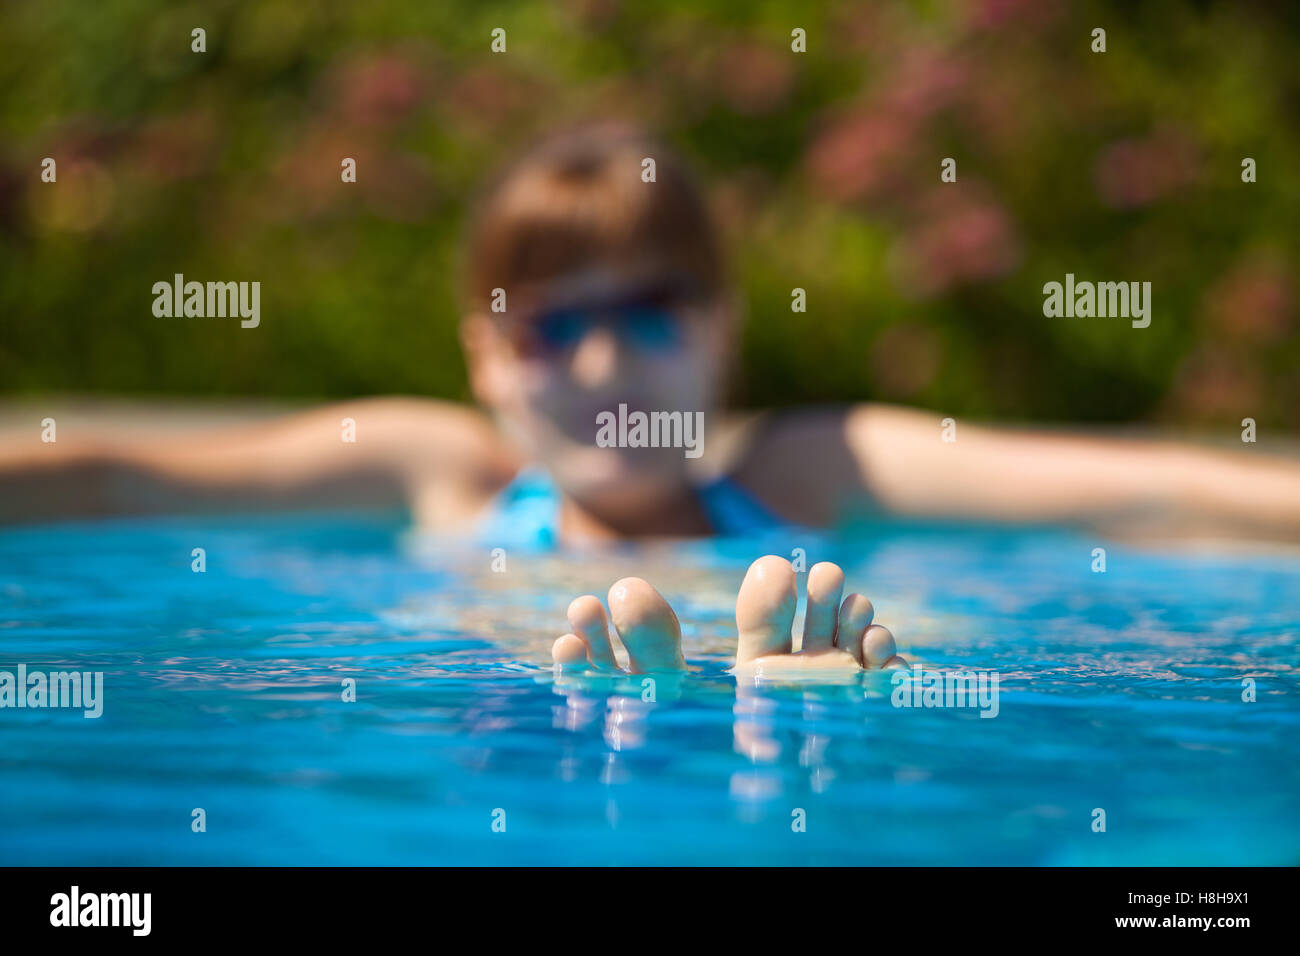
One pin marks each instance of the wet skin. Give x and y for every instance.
(838, 638)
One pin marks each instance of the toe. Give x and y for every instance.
(765, 609)
(878, 647)
(825, 584)
(587, 618)
(569, 653)
(647, 626)
(855, 617)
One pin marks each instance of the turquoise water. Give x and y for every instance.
(223, 691)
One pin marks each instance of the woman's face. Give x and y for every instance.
(555, 367)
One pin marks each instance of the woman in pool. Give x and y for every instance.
(615, 294)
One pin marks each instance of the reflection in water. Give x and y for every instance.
(618, 706)
(621, 705)
(753, 730)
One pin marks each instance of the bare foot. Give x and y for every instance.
(644, 621)
(837, 637)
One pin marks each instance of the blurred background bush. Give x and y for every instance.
(824, 168)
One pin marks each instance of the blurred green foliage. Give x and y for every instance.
(824, 167)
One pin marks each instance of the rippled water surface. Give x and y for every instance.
(223, 691)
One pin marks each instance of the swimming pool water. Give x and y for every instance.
(223, 691)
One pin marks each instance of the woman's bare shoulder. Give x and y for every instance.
(452, 457)
(429, 438)
(796, 461)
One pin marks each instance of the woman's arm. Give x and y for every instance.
(898, 459)
(440, 459)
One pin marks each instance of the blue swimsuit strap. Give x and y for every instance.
(527, 510)
(733, 510)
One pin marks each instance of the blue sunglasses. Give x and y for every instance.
(647, 327)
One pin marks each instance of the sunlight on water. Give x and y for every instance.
(223, 691)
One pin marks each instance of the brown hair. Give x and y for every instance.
(577, 199)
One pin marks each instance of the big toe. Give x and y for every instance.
(765, 609)
(647, 626)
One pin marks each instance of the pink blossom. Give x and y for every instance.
(958, 239)
(1254, 300)
(854, 154)
(1137, 172)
